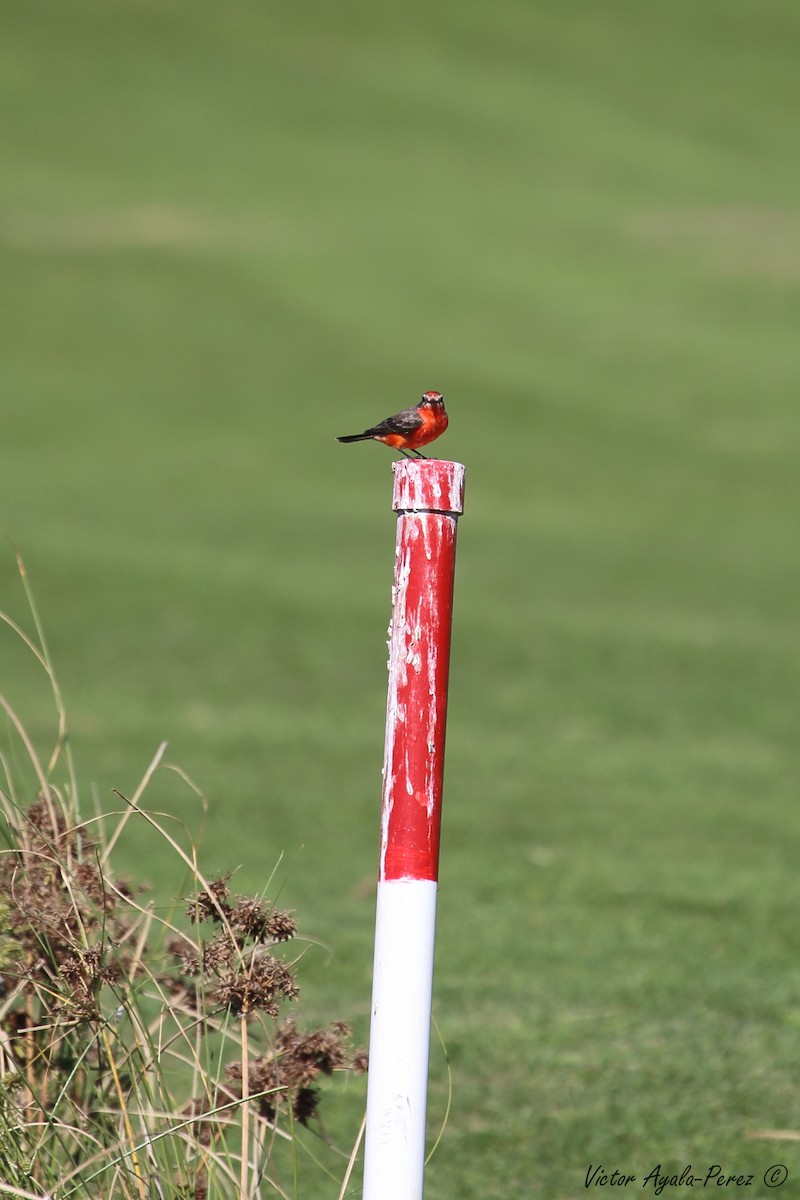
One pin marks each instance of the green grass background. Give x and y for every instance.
(230, 232)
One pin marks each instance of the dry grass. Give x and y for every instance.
(141, 1055)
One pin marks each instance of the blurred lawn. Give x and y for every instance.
(229, 233)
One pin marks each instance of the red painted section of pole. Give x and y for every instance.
(428, 496)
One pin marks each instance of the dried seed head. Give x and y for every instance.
(258, 986)
(281, 926)
(304, 1056)
(305, 1103)
(254, 919)
(248, 919)
(360, 1063)
(186, 953)
(219, 953)
(212, 902)
(290, 1069)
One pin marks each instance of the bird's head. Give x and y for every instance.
(432, 399)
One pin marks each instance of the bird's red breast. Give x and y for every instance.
(427, 423)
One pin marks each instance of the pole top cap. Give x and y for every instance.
(428, 485)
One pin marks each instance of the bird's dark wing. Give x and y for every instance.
(403, 422)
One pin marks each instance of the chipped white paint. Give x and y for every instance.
(438, 487)
(413, 644)
(395, 711)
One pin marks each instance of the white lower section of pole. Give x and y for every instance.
(397, 1085)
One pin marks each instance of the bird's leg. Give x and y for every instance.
(420, 455)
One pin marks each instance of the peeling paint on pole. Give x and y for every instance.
(428, 497)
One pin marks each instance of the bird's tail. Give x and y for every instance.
(355, 437)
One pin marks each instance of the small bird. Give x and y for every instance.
(406, 431)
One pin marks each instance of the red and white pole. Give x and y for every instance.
(428, 496)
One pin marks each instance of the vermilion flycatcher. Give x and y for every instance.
(406, 431)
